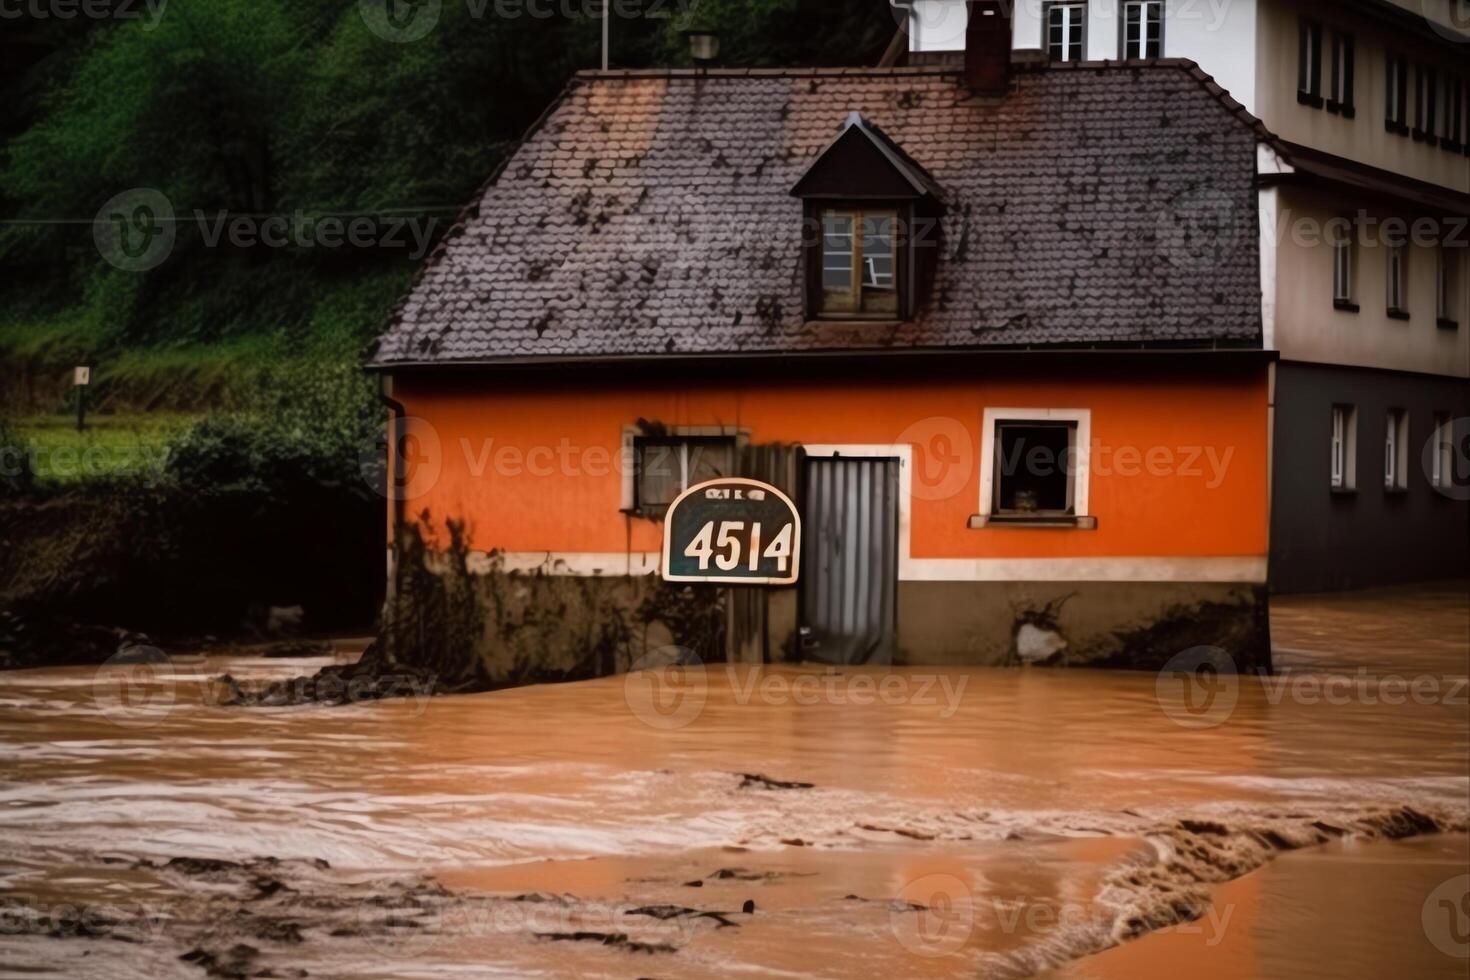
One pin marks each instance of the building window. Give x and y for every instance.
(1396, 450)
(666, 466)
(1396, 119)
(1442, 460)
(1344, 446)
(1066, 31)
(1034, 467)
(1340, 91)
(1454, 107)
(1447, 287)
(1344, 259)
(1309, 63)
(1398, 272)
(1143, 29)
(1426, 119)
(859, 274)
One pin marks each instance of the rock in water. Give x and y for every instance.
(1035, 645)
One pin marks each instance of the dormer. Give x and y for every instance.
(872, 220)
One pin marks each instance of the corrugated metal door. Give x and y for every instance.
(849, 560)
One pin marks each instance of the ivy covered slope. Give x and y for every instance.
(301, 110)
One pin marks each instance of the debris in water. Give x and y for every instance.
(753, 779)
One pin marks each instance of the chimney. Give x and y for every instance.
(988, 47)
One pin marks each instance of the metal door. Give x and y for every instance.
(849, 560)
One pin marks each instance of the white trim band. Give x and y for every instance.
(1242, 569)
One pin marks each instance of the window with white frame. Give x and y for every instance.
(1454, 128)
(1426, 98)
(1442, 460)
(1343, 260)
(1447, 286)
(1396, 118)
(1066, 31)
(666, 466)
(1398, 272)
(1143, 29)
(1340, 87)
(1396, 449)
(1034, 467)
(859, 273)
(1309, 62)
(1344, 446)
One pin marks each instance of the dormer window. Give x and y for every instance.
(874, 213)
(859, 274)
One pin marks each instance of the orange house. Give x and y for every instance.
(1003, 352)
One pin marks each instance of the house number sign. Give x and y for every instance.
(732, 530)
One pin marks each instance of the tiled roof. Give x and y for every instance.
(650, 213)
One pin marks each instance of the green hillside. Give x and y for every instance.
(179, 181)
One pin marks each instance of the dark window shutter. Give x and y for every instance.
(1403, 106)
(1348, 44)
(1301, 56)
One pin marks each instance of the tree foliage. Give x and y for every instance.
(274, 107)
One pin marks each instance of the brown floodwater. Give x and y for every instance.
(957, 823)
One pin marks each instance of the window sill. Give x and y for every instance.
(1444, 324)
(1396, 127)
(1395, 491)
(1398, 314)
(1419, 135)
(879, 320)
(978, 521)
(1346, 305)
(1454, 146)
(1344, 491)
(1339, 109)
(1307, 98)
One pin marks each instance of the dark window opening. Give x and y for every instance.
(1340, 92)
(1397, 118)
(1034, 469)
(1343, 266)
(1309, 64)
(860, 267)
(665, 467)
(1454, 128)
(1426, 109)
(1398, 274)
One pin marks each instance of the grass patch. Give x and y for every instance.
(130, 444)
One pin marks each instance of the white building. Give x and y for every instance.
(1365, 257)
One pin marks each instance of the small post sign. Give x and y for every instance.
(81, 377)
(732, 530)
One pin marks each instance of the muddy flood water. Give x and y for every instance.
(777, 822)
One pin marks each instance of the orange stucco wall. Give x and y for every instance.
(1179, 455)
